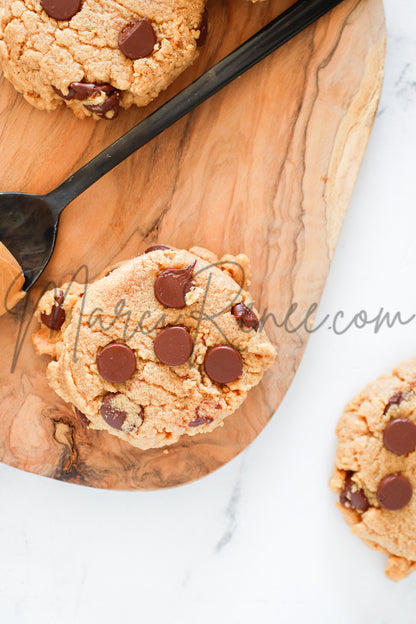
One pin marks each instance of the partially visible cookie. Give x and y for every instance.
(97, 55)
(163, 345)
(375, 467)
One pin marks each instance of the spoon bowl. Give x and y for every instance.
(28, 226)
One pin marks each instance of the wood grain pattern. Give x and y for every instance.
(266, 167)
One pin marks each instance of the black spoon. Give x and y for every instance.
(28, 223)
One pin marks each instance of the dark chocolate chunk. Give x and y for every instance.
(61, 9)
(394, 492)
(137, 39)
(203, 29)
(223, 364)
(173, 345)
(116, 362)
(245, 316)
(172, 285)
(353, 496)
(81, 417)
(56, 318)
(399, 436)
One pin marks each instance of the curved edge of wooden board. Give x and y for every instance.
(71, 451)
(352, 138)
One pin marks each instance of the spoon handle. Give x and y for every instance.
(276, 33)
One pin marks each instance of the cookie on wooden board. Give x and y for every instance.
(97, 55)
(162, 345)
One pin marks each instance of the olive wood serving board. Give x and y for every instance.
(266, 167)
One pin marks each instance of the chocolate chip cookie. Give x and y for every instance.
(375, 467)
(160, 346)
(97, 55)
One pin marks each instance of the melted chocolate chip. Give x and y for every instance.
(173, 345)
(201, 416)
(137, 39)
(394, 492)
(68, 96)
(116, 362)
(108, 109)
(200, 420)
(81, 417)
(172, 285)
(89, 90)
(84, 90)
(399, 436)
(155, 248)
(353, 496)
(223, 364)
(203, 29)
(56, 318)
(396, 399)
(245, 316)
(61, 9)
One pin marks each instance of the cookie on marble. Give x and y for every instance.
(164, 345)
(375, 467)
(97, 55)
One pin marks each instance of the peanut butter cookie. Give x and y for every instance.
(162, 345)
(97, 55)
(375, 467)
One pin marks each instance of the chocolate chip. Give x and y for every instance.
(353, 496)
(89, 90)
(116, 362)
(399, 436)
(68, 96)
(61, 9)
(56, 318)
(223, 364)
(155, 248)
(172, 285)
(201, 417)
(245, 316)
(112, 416)
(108, 109)
(81, 417)
(84, 90)
(200, 420)
(203, 29)
(137, 39)
(394, 492)
(396, 399)
(173, 345)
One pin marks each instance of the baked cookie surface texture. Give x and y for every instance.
(375, 467)
(162, 345)
(97, 55)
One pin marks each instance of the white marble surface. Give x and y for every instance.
(260, 540)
